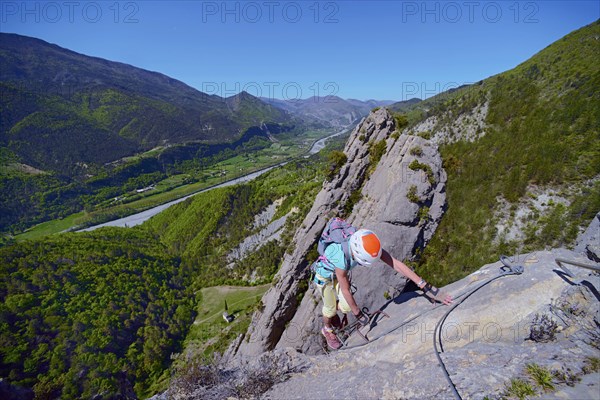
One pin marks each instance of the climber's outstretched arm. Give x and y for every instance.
(430, 291)
(401, 267)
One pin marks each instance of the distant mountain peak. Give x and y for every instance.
(242, 95)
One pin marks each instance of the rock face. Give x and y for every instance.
(486, 340)
(589, 242)
(448, 127)
(383, 206)
(268, 231)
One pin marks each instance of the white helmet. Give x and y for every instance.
(365, 247)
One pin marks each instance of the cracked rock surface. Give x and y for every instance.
(485, 340)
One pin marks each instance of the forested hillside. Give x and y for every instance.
(86, 313)
(528, 177)
(102, 312)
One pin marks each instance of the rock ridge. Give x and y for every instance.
(289, 317)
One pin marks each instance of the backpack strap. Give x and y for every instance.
(326, 263)
(347, 254)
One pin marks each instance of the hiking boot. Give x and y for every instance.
(332, 340)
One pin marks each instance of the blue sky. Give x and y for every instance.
(392, 50)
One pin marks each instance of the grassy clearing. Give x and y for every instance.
(237, 297)
(51, 227)
(210, 333)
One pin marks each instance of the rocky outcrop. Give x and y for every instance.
(589, 242)
(487, 340)
(289, 319)
(450, 127)
(267, 231)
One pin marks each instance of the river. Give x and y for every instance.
(320, 144)
(139, 218)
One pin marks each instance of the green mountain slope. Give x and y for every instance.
(101, 312)
(54, 98)
(540, 138)
(87, 313)
(75, 118)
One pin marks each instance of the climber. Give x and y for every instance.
(331, 275)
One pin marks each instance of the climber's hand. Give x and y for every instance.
(436, 295)
(362, 319)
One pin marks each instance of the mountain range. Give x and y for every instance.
(331, 110)
(82, 109)
(61, 108)
(68, 119)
